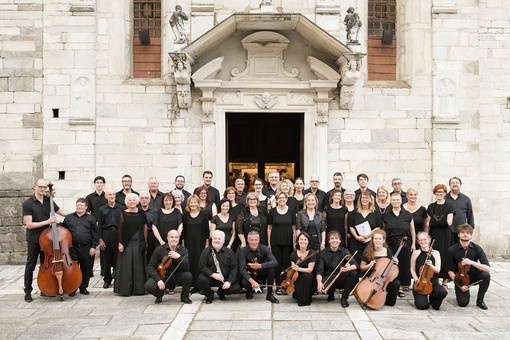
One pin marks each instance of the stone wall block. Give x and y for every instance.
(380, 103)
(25, 84)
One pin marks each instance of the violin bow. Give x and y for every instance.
(175, 269)
(301, 261)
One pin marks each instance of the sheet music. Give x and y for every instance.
(364, 229)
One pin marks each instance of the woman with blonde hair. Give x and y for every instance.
(419, 212)
(311, 221)
(382, 199)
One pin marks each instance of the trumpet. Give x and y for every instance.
(339, 268)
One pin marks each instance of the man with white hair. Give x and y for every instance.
(239, 188)
(155, 194)
(218, 268)
(314, 189)
(273, 178)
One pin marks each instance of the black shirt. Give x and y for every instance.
(268, 191)
(263, 256)
(463, 210)
(120, 198)
(108, 218)
(321, 198)
(162, 251)
(39, 212)
(226, 259)
(149, 213)
(402, 195)
(329, 259)
(83, 229)
(328, 196)
(397, 227)
(281, 227)
(94, 202)
(155, 202)
(456, 253)
(166, 222)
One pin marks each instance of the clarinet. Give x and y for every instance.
(216, 263)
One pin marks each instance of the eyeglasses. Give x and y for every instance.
(42, 186)
(439, 192)
(314, 181)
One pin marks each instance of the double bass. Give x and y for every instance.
(423, 285)
(58, 274)
(371, 290)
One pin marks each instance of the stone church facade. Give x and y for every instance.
(81, 95)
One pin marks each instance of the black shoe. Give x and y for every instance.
(481, 304)
(84, 291)
(42, 294)
(271, 298)
(209, 299)
(195, 290)
(28, 297)
(72, 293)
(222, 297)
(331, 297)
(249, 294)
(159, 299)
(186, 299)
(344, 303)
(106, 285)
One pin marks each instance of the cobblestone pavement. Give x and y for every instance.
(104, 315)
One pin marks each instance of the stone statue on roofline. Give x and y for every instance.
(353, 25)
(177, 23)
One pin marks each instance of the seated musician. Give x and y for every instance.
(218, 268)
(418, 259)
(156, 285)
(304, 284)
(329, 259)
(259, 271)
(465, 253)
(376, 249)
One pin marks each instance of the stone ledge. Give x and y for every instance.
(398, 84)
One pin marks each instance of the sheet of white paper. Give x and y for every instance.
(363, 229)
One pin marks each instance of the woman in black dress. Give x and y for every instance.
(349, 205)
(205, 202)
(375, 250)
(167, 218)
(287, 187)
(195, 235)
(441, 218)
(233, 198)
(252, 217)
(419, 212)
(305, 283)
(398, 223)
(225, 222)
(365, 212)
(299, 186)
(418, 258)
(258, 185)
(312, 222)
(334, 214)
(281, 226)
(131, 270)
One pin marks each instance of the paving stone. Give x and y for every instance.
(211, 335)
(153, 330)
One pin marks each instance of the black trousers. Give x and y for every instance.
(434, 299)
(151, 244)
(81, 255)
(33, 252)
(463, 297)
(392, 292)
(205, 283)
(183, 279)
(282, 255)
(110, 239)
(263, 276)
(346, 280)
(91, 265)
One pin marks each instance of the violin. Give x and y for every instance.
(462, 277)
(58, 274)
(371, 290)
(250, 269)
(165, 263)
(288, 283)
(423, 285)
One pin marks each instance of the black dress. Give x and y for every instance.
(131, 270)
(438, 292)
(166, 222)
(281, 238)
(194, 233)
(439, 230)
(208, 211)
(226, 227)
(305, 283)
(419, 217)
(396, 228)
(293, 205)
(335, 220)
(354, 218)
(300, 203)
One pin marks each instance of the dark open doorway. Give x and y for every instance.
(258, 143)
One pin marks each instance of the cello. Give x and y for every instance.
(371, 290)
(58, 274)
(423, 285)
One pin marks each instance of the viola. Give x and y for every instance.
(165, 263)
(58, 274)
(462, 277)
(423, 285)
(371, 290)
(250, 269)
(289, 283)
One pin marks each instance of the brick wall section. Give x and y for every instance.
(382, 60)
(147, 59)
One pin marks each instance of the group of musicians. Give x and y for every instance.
(253, 268)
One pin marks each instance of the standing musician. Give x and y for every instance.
(329, 259)
(83, 229)
(375, 250)
(218, 268)
(467, 253)
(257, 265)
(304, 284)
(156, 284)
(36, 216)
(418, 259)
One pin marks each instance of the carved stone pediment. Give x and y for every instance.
(265, 57)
